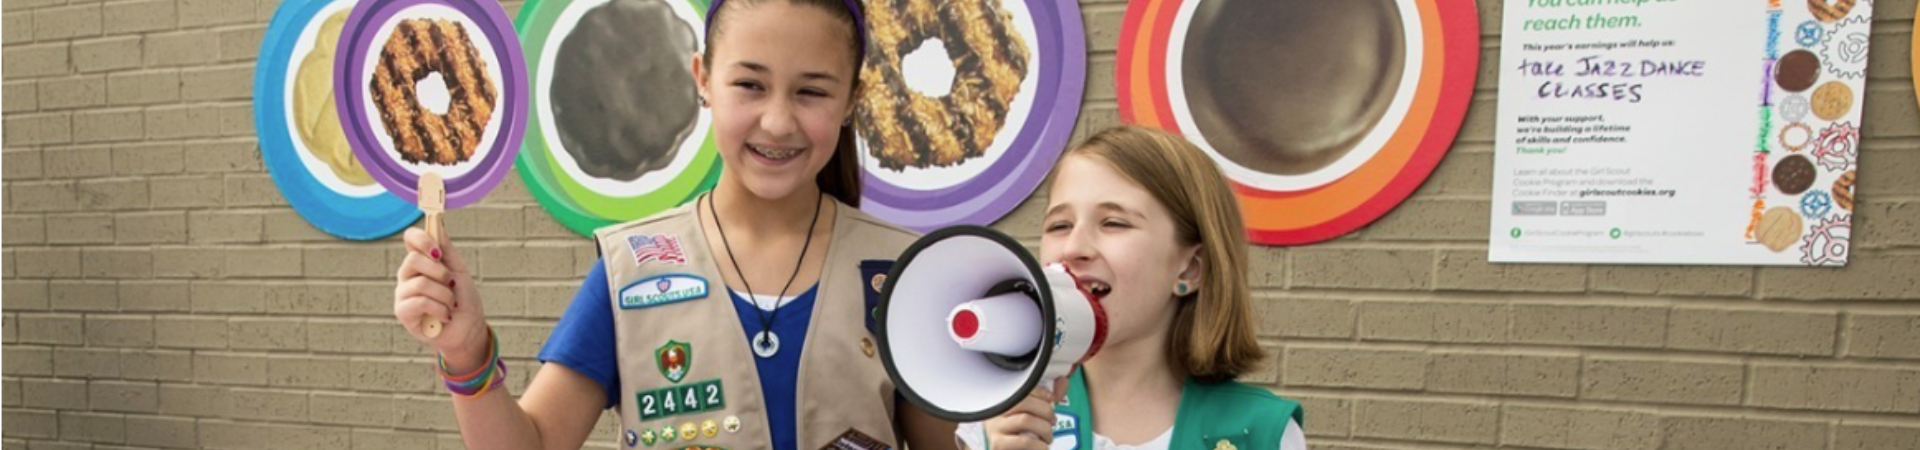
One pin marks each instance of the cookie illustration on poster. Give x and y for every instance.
(1323, 115)
(967, 105)
(301, 140)
(615, 133)
(432, 86)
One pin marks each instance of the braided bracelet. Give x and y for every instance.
(481, 380)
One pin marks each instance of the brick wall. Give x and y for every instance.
(159, 293)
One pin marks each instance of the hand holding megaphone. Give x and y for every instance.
(970, 324)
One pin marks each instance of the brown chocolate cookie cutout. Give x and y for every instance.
(1796, 71)
(1793, 174)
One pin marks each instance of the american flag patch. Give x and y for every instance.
(657, 247)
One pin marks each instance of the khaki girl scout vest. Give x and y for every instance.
(687, 377)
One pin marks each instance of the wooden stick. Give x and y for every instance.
(433, 202)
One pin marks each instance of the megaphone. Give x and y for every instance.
(969, 323)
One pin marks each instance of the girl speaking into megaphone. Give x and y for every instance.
(1148, 226)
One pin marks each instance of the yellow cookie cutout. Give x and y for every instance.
(313, 109)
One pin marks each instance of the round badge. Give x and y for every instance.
(301, 140)
(1330, 136)
(953, 130)
(432, 86)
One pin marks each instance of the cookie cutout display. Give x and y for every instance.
(297, 121)
(966, 105)
(1795, 137)
(1797, 71)
(1794, 108)
(1843, 191)
(1837, 147)
(1779, 229)
(1830, 11)
(1844, 48)
(616, 132)
(1323, 115)
(432, 86)
(1813, 170)
(1832, 101)
(1829, 242)
(1793, 174)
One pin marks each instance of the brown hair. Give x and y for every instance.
(841, 177)
(1212, 338)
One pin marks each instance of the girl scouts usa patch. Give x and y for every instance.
(662, 289)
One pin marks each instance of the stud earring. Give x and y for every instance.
(703, 100)
(1182, 289)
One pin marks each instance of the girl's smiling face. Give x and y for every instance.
(780, 83)
(1120, 242)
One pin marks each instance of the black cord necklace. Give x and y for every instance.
(765, 343)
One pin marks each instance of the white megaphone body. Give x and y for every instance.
(969, 323)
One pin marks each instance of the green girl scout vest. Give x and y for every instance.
(687, 376)
(1221, 416)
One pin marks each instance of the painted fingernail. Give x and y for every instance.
(435, 253)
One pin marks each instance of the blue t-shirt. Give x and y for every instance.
(583, 341)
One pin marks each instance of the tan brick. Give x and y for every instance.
(116, 264)
(167, 432)
(1769, 332)
(66, 23)
(1461, 172)
(234, 120)
(1433, 321)
(219, 297)
(1578, 428)
(83, 363)
(183, 48)
(1291, 317)
(1433, 220)
(154, 296)
(1833, 388)
(1691, 432)
(113, 194)
(10, 393)
(19, 96)
(22, 164)
(311, 372)
(157, 365)
(424, 414)
(355, 262)
(1665, 280)
(247, 435)
(349, 336)
(371, 439)
(1661, 381)
(270, 405)
(1477, 126)
(267, 334)
(119, 331)
(1878, 335)
(187, 262)
(54, 394)
(549, 301)
(241, 44)
(108, 126)
(1860, 436)
(144, 88)
(17, 29)
(1327, 416)
(1884, 185)
(180, 193)
(490, 222)
(1869, 276)
(1267, 266)
(60, 329)
(262, 262)
(164, 227)
(169, 122)
(1889, 114)
(80, 229)
(1590, 325)
(311, 299)
(193, 400)
(48, 262)
(27, 423)
(225, 83)
(287, 226)
(108, 54)
(1437, 421)
(73, 92)
(229, 368)
(1103, 30)
(1470, 271)
(226, 157)
(84, 295)
(37, 129)
(26, 295)
(1511, 374)
(1354, 367)
(520, 261)
(1358, 268)
(1886, 224)
(39, 60)
(397, 375)
(190, 332)
(223, 227)
(119, 396)
(77, 162)
(147, 159)
(198, 13)
(140, 16)
(351, 409)
(253, 190)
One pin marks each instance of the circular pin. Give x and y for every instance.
(709, 428)
(667, 434)
(879, 281)
(688, 432)
(632, 438)
(732, 424)
(647, 436)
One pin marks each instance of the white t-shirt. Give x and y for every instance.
(973, 435)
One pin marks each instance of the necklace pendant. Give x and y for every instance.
(766, 344)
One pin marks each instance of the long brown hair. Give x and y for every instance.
(1212, 338)
(841, 177)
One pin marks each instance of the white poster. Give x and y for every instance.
(1678, 131)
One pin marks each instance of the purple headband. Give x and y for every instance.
(853, 7)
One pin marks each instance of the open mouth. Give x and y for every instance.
(775, 153)
(1096, 288)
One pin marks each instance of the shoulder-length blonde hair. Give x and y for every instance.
(1212, 338)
